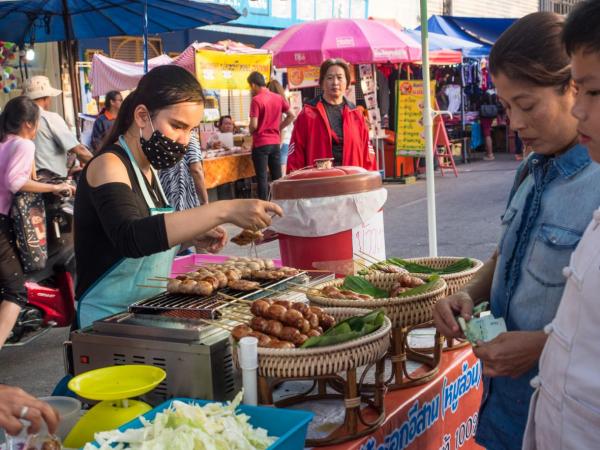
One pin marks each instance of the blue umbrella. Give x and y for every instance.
(65, 20)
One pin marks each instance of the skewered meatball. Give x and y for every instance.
(280, 345)
(300, 339)
(263, 339)
(187, 286)
(202, 288)
(274, 328)
(174, 286)
(289, 334)
(259, 324)
(259, 308)
(302, 307)
(243, 285)
(313, 333)
(313, 320)
(276, 312)
(327, 321)
(304, 326)
(221, 277)
(210, 279)
(233, 274)
(292, 318)
(316, 310)
(240, 331)
(285, 303)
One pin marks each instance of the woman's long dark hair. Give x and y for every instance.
(18, 111)
(160, 88)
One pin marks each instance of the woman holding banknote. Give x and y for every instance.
(554, 194)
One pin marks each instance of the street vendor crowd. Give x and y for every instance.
(140, 199)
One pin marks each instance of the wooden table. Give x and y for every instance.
(226, 169)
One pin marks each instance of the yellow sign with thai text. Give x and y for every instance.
(220, 70)
(410, 131)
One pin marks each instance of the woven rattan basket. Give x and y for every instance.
(402, 311)
(319, 361)
(454, 281)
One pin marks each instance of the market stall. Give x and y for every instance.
(222, 69)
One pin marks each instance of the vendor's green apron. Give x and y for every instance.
(119, 287)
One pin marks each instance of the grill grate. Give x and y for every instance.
(196, 307)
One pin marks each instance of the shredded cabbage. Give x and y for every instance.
(185, 426)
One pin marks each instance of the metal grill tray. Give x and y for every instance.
(153, 326)
(194, 306)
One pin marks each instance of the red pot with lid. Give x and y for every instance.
(331, 213)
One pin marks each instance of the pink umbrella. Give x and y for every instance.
(358, 41)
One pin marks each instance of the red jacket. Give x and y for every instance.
(311, 138)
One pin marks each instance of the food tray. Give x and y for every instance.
(454, 281)
(319, 361)
(402, 311)
(288, 425)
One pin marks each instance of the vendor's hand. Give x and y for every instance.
(12, 403)
(64, 190)
(212, 241)
(445, 310)
(252, 214)
(216, 144)
(510, 354)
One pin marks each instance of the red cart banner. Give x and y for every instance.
(440, 415)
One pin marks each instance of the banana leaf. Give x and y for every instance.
(351, 328)
(361, 286)
(429, 285)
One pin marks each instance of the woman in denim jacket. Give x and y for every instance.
(555, 192)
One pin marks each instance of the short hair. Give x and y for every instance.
(222, 118)
(582, 28)
(537, 57)
(327, 64)
(257, 78)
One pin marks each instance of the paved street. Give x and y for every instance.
(468, 213)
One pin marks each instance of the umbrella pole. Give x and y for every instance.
(71, 61)
(145, 36)
(428, 123)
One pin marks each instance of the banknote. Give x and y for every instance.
(483, 326)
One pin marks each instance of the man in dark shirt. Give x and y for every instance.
(266, 110)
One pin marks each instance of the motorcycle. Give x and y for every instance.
(50, 291)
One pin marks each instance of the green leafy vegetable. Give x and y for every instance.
(349, 329)
(188, 426)
(361, 286)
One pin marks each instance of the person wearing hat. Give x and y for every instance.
(54, 140)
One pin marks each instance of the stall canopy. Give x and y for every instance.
(109, 74)
(481, 31)
(446, 49)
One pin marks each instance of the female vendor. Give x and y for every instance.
(125, 232)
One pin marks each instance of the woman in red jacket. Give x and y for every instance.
(329, 126)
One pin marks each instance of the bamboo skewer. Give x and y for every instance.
(217, 324)
(151, 287)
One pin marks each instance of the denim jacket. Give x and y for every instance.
(545, 219)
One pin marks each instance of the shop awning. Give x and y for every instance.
(447, 49)
(478, 30)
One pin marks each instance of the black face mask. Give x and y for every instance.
(161, 151)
